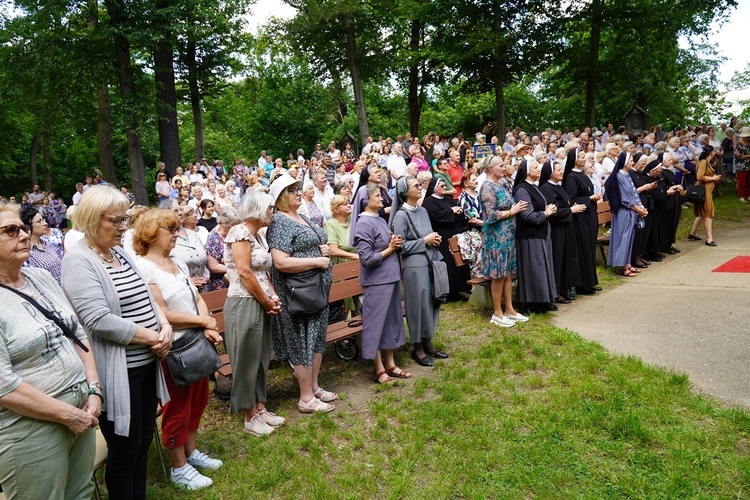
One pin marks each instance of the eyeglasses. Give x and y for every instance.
(39, 221)
(293, 190)
(116, 220)
(171, 229)
(415, 186)
(14, 230)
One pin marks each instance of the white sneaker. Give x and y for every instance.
(518, 317)
(505, 322)
(190, 478)
(258, 427)
(270, 418)
(200, 459)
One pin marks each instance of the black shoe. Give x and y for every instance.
(646, 262)
(552, 307)
(670, 251)
(675, 250)
(562, 300)
(585, 290)
(569, 297)
(711, 244)
(437, 354)
(661, 255)
(639, 266)
(692, 237)
(425, 361)
(655, 257)
(597, 288)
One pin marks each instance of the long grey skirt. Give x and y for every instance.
(422, 312)
(536, 273)
(382, 321)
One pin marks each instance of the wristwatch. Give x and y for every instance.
(96, 385)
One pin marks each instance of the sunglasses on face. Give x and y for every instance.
(116, 220)
(14, 230)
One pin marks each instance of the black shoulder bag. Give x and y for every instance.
(50, 316)
(438, 271)
(305, 293)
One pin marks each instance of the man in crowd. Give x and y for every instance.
(36, 197)
(79, 192)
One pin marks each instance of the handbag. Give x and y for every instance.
(438, 272)
(192, 358)
(696, 194)
(305, 293)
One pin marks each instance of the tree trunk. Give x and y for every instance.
(104, 135)
(415, 105)
(592, 68)
(33, 155)
(47, 160)
(127, 88)
(166, 104)
(104, 114)
(359, 96)
(195, 101)
(338, 89)
(499, 103)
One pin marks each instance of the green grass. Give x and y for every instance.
(534, 411)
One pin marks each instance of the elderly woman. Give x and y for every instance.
(221, 199)
(42, 255)
(382, 320)
(155, 236)
(127, 331)
(448, 220)
(498, 231)
(337, 230)
(536, 275)
(298, 246)
(190, 221)
(49, 403)
(189, 248)
(626, 207)
(233, 193)
(214, 247)
(309, 208)
(411, 222)
(250, 305)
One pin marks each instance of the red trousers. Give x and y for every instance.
(743, 184)
(184, 411)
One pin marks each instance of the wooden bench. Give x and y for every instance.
(459, 260)
(604, 217)
(342, 333)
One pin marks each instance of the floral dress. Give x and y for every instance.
(215, 248)
(470, 241)
(499, 251)
(741, 149)
(296, 337)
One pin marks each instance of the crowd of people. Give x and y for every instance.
(104, 301)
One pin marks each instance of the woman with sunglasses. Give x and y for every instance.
(128, 334)
(169, 281)
(50, 396)
(162, 187)
(297, 246)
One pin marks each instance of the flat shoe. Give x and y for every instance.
(423, 361)
(437, 354)
(694, 238)
(562, 300)
(640, 266)
(675, 250)
(711, 244)
(314, 405)
(397, 374)
(552, 307)
(325, 396)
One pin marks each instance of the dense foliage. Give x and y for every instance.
(86, 83)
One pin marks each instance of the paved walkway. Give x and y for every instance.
(680, 315)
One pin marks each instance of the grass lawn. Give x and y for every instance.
(533, 411)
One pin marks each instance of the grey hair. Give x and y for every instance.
(227, 216)
(254, 206)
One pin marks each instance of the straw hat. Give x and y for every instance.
(745, 132)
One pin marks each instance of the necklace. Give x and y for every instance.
(109, 260)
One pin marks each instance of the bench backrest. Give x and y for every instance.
(603, 213)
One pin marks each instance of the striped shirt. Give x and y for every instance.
(136, 307)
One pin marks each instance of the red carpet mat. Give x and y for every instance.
(739, 264)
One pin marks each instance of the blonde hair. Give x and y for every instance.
(147, 228)
(337, 201)
(93, 203)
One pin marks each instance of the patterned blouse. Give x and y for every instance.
(741, 149)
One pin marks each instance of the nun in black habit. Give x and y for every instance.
(645, 187)
(447, 220)
(536, 276)
(656, 222)
(564, 246)
(586, 223)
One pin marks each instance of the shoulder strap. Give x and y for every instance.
(50, 316)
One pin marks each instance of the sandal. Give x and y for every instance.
(398, 374)
(386, 381)
(325, 396)
(634, 270)
(627, 273)
(314, 405)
